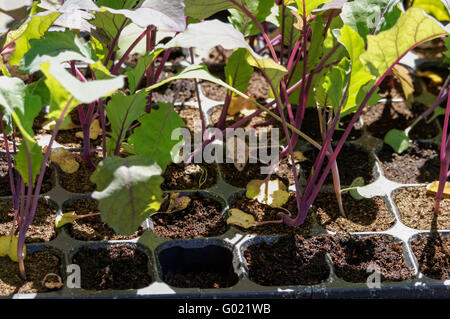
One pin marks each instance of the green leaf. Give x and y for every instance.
(23, 107)
(357, 182)
(63, 85)
(275, 72)
(33, 28)
(122, 111)
(208, 34)
(36, 156)
(260, 10)
(237, 71)
(433, 7)
(135, 74)
(334, 85)
(310, 5)
(447, 53)
(201, 9)
(398, 140)
(363, 15)
(117, 4)
(128, 190)
(289, 20)
(107, 25)
(387, 47)
(164, 15)
(58, 47)
(153, 138)
(359, 77)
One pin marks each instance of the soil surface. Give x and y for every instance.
(182, 90)
(352, 162)
(202, 218)
(257, 88)
(79, 182)
(92, 228)
(42, 229)
(352, 256)
(385, 116)
(37, 266)
(418, 164)
(391, 88)
(253, 171)
(311, 126)
(48, 182)
(433, 255)
(190, 115)
(261, 123)
(416, 209)
(202, 280)
(118, 266)
(290, 260)
(431, 50)
(66, 137)
(182, 177)
(262, 212)
(369, 214)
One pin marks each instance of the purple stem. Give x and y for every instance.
(116, 68)
(444, 157)
(197, 91)
(114, 43)
(25, 224)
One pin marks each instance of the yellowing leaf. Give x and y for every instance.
(64, 159)
(430, 75)
(94, 131)
(66, 218)
(8, 246)
(433, 188)
(177, 202)
(240, 105)
(299, 157)
(238, 150)
(402, 74)
(240, 218)
(434, 7)
(272, 193)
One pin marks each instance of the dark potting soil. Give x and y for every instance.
(42, 229)
(264, 122)
(352, 256)
(202, 280)
(257, 89)
(385, 116)
(48, 182)
(253, 171)
(66, 137)
(418, 164)
(214, 91)
(416, 209)
(290, 260)
(182, 177)
(369, 214)
(117, 266)
(311, 126)
(92, 228)
(79, 181)
(202, 218)
(37, 266)
(218, 55)
(433, 255)
(182, 90)
(190, 115)
(262, 212)
(391, 88)
(352, 162)
(431, 50)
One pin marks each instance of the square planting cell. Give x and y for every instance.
(113, 266)
(206, 267)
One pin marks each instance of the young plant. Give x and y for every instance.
(350, 82)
